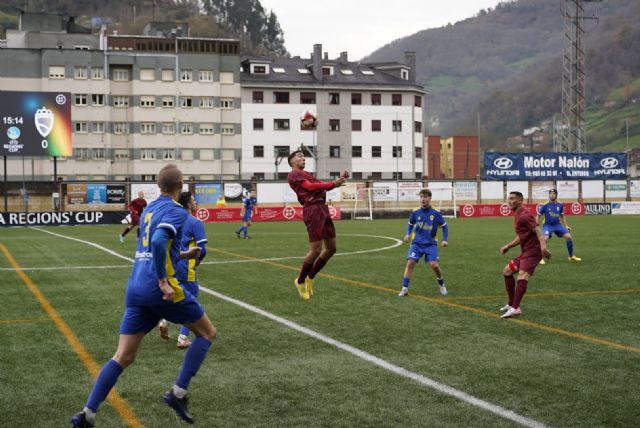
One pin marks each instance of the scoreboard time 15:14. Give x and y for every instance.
(12, 120)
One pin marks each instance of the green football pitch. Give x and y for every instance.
(354, 354)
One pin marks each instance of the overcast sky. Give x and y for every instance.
(361, 26)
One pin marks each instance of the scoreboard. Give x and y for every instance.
(35, 124)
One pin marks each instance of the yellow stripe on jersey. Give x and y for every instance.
(178, 292)
(191, 272)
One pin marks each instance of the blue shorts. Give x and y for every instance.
(191, 287)
(430, 253)
(143, 319)
(247, 216)
(558, 229)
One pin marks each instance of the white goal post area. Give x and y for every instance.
(383, 199)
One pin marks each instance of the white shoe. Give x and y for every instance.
(443, 290)
(505, 308)
(512, 312)
(404, 292)
(121, 238)
(163, 325)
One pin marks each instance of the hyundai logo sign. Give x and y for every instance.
(503, 163)
(609, 162)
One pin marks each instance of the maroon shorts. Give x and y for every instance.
(318, 221)
(135, 219)
(525, 263)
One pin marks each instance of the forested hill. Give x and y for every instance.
(258, 29)
(504, 65)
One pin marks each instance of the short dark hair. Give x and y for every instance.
(184, 199)
(519, 195)
(554, 191)
(426, 192)
(292, 154)
(169, 178)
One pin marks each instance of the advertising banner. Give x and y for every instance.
(35, 124)
(597, 209)
(262, 214)
(503, 210)
(625, 208)
(466, 190)
(116, 193)
(384, 191)
(76, 193)
(409, 190)
(66, 218)
(352, 191)
(634, 188)
(560, 166)
(568, 189)
(208, 193)
(96, 193)
(540, 190)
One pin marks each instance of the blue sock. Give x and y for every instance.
(405, 282)
(106, 380)
(440, 281)
(246, 231)
(239, 230)
(570, 247)
(184, 330)
(192, 361)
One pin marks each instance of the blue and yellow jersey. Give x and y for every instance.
(424, 223)
(552, 212)
(248, 204)
(162, 213)
(193, 235)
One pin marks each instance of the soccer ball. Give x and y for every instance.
(309, 120)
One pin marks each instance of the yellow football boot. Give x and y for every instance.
(302, 289)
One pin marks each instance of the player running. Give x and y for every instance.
(556, 223)
(136, 207)
(248, 209)
(424, 223)
(312, 195)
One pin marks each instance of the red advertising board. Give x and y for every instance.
(261, 214)
(503, 210)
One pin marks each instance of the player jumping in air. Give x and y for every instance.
(248, 209)
(312, 194)
(136, 207)
(533, 246)
(556, 223)
(424, 223)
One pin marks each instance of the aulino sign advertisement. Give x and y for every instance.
(554, 166)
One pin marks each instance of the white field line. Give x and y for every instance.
(423, 380)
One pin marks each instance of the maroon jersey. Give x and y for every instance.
(525, 225)
(137, 205)
(308, 197)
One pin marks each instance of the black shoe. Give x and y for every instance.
(80, 421)
(238, 235)
(179, 405)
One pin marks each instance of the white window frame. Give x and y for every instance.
(56, 72)
(186, 128)
(97, 100)
(205, 75)
(80, 99)
(168, 102)
(120, 101)
(82, 128)
(186, 154)
(168, 154)
(186, 75)
(168, 75)
(98, 153)
(121, 154)
(120, 128)
(227, 129)
(206, 154)
(120, 75)
(147, 101)
(206, 128)
(80, 73)
(168, 128)
(81, 154)
(186, 102)
(97, 73)
(148, 154)
(148, 128)
(226, 78)
(226, 103)
(206, 102)
(97, 127)
(147, 74)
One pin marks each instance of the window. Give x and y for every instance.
(281, 97)
(376, 175)
(376, 151)
(206, 154)
(97, 127)
(282, 175)
(396, 125)
(186, 128)
(148, 154)
(226, 103)
(259, 69)
(120, 128)
(147, 101)
(404, 74)
(147, 74)
(80, 73)
(258, 124)
(206, 128)
(205, 75)
(356, 125)
(81, 154)
(120, 101)
(147, 128)
(417, 101)
(56, 72)
(356, 99)
(167, 75)
(346, 72)
(367, 72)
(80, 99)
(376, 125)
(168, 128)
(168, 102)
(283, 151)
(396, 175)
(327, 71)
(226, 78)
(334, 175)
(278, 70)
(82, 127)
(258, 97)
(206, 102)
(417, 126)
(120, 75)
(186, 154)
(281, 124)
(97, 99)
(376, 99)
(98, 153)
(303, 71)
(168, 154)
(186, 75)
(334, 98)
(356, 175)
(396, 151)
(396, 99)
(227, 129)
(121, 154)
(258, 151)
(418, 152)
(97, 74)
(356, 151)
(258, 175)
(334, 151)
(334, 124)
(81, 47)
(186, 102)
(307, 97)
